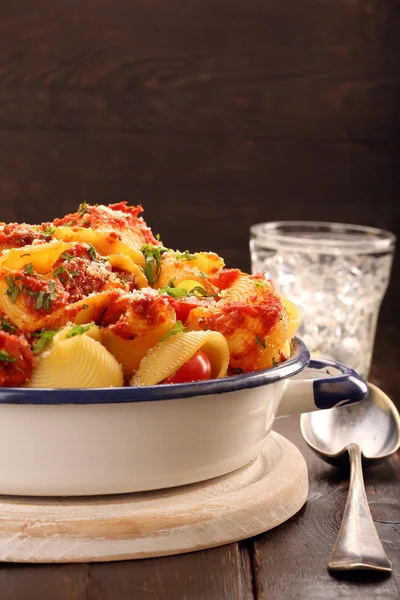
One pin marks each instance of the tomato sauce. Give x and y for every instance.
(41, 295)
(16, 235)
(99, 217)
(81, 272)
(16, 360)
(129, 315)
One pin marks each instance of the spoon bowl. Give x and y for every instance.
(373, 424)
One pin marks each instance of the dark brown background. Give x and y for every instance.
(214, 114)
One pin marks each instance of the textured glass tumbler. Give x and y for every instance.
(336, 274)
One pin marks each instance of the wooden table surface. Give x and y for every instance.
(285, 563)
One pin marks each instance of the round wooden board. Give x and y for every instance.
(247, 502)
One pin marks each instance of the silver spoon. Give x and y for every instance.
(367, 432)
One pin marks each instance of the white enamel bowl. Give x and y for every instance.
(108, 441)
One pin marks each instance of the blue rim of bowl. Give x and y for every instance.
(298, 361)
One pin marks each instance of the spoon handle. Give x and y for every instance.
(358, 545)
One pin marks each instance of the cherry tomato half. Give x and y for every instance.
(195, 369)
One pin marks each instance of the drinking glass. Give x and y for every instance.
(336, 274)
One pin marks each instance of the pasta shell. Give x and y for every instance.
(168, 356)
(103, 241)
(177, 270)
(76, 362)
(42, 256)
(126, 263)
(253, 321)
(129, 353)
(293, 314)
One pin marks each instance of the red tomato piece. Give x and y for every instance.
(196, 368)
(225, 278)
(183, 307)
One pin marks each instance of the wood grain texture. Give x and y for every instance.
(253, 499)
(214, 115)
(208, 575)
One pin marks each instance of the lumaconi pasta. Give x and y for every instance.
(77, 359)
(95, 300)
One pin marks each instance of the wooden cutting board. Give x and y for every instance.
(247, 502)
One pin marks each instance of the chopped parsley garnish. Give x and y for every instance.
(27, 254)
(26, 290)
(79, 330)
(75, 273)
(92, 252)
(5, 357)
(83, 208)
(185, 256)
(6, 326)
(158, 237)
(152, 261)
(259, 284)
(177, 328)
(50, 230)
(203, 274)
(67, 256)
(260, 341)
(198, 291)
(45, 336)
(85, 306)
(174, 292)
(28, 270)
(237, 370)
(43, 298)
(274, 362)
(13, 290)
(62, 271)
(40, 300)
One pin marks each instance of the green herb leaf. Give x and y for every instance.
(185, 256)
(152, 257)
(28, 270)
(83, 208)
(198, 291)
(40, 299)
(79, 330)
(13, 290)
(158, 236)
(174, 292)
(5, 357)
(92, 252)
(260, 341)
(67, 256)
(62, 271)
(45, 336)
(6, 326)
(203, 274)
(26, 290)
(27, 254)
(85, 306)
(274, 362)
(50, 230)
(75, 273)
(178, 328)
(259, 284)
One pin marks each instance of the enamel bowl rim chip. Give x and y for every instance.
(296, 363)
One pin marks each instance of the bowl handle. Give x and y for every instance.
(323, 384)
